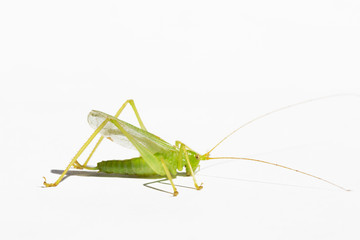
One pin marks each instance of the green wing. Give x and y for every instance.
(125, 134)
(148, 140)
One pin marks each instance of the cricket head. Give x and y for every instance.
(195, 158)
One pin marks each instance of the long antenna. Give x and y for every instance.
(280, 109)
(278, 165)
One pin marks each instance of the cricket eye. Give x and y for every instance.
(197, 156)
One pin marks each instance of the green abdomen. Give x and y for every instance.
(134, 166)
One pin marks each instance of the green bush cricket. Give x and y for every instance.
(157, 157)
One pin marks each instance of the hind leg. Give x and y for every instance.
(132, 104)
(81, 150)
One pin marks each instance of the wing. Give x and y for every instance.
(151, 142)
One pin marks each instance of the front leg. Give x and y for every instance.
(189, 170)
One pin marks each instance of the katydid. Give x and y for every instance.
(158, 158)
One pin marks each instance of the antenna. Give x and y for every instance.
(281, 109)
(278, 165)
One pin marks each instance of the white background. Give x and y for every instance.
(197, 70)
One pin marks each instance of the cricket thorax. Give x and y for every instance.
(176, 161)
(194, 159)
